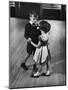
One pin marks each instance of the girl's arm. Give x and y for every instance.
(36, 45)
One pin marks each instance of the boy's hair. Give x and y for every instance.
(45, 26)
(33, 13)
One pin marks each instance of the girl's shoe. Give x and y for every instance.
(36, 74)
(48, 73)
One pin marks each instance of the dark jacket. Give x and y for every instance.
(32, 32)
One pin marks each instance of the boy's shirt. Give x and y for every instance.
(32, 32)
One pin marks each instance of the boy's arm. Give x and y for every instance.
(27, 33)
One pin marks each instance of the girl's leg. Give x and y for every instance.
(48, 60)
(38, 73)
(48, 68)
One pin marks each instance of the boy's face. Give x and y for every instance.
(33, 18)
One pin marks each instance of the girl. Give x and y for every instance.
(42, 53)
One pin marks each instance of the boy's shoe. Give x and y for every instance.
(24, 66)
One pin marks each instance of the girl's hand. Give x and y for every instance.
(29, 40)
(39, 44)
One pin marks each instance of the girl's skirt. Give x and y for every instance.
(41, 54)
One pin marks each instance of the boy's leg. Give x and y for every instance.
(34, 66)
(23, 64)
(34, 69)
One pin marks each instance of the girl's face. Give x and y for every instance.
(33, 19)
(42, 32)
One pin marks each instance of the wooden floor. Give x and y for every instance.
(17, 50)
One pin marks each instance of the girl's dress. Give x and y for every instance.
(41, 53)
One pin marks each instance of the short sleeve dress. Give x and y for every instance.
(42, 52)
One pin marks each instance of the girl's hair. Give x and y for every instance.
(45, 26)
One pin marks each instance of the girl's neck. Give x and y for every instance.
(31, 22)
(42, 32)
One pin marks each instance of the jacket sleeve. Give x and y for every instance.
(27, 32)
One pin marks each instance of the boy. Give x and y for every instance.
(31, 34)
